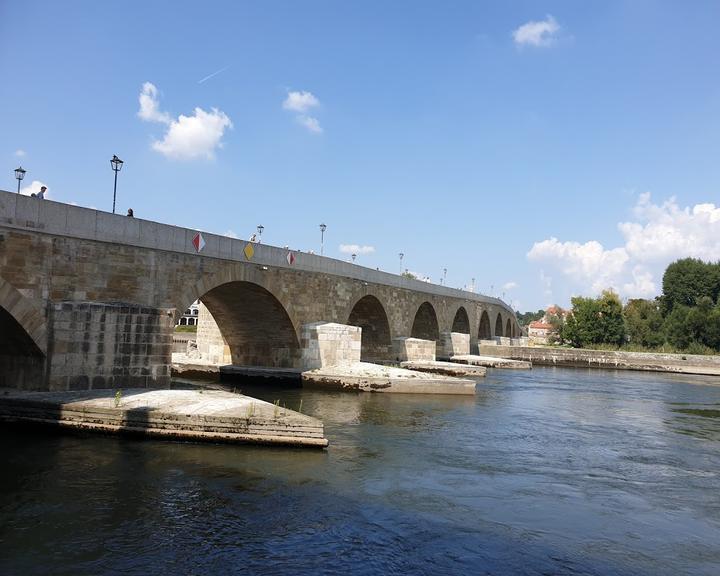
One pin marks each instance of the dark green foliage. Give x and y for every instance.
(595, 321)
(686, 281)
(526, 317)
(644, 323)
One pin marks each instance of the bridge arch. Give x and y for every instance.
(508, 329)
(254, 323)
(369, 313)
(23, 340)
(484, 332)
(425, 324)
(461, 322)
(499, 325)
(27, 318)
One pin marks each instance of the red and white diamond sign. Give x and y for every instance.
(290, 258)
(198, 241)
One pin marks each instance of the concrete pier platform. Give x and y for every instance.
(446, 368)
(201, 415)
(363, 376)
(491, 362)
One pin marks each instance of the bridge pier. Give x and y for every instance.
(452, 344)
(108, 345)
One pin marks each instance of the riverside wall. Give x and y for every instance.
(583, 358)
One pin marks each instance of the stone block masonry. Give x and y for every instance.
(329, 344)
(453, 343)
(413, 349)
(212, 347)
(101, 345)
(63, 267)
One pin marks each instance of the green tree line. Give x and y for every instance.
(685, 317)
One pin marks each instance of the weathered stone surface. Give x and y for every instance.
(207, 415)
(329, 344)
(453, 343)
(413, 349)
(446, 368)
(491, 362)
(54, 254)
(365, 377)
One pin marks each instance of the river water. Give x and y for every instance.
(549, 471)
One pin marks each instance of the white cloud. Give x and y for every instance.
(510, 285)
(542, 33)
(310, 123)
(187, 137)
(300, 101)
(19, 153)
(356, 249)
(196, 136)
(34, 188)
(664, 233)
(150, 106)
(231, 234)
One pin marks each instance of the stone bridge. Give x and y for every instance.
(89, 299)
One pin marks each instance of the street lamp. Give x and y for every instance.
(117, 165)
(260, 228)
(401, 257)
(323, 227)
(19, 174)
(354, 256)
(444, 276)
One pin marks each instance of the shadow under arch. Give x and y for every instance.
(461, 322)
(254, 324)
(369, 314)
(425, 325)
(484, 332)
(22, 341)
(508, 329)
(499, 325)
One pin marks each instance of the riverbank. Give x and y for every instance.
(584, 358)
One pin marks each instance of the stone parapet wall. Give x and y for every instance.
(413, 349)
(329, 344)
(100, 345)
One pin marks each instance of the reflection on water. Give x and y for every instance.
(553, 471)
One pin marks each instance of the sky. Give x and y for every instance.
(531, 150)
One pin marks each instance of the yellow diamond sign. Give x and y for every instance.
(249, 251)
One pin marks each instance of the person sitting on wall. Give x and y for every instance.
(130, 213)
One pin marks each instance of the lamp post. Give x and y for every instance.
(354, 256)
(19, 174)
(444, 276)
(323, 227)
(401, 257)
(117, 165)
(260, 228)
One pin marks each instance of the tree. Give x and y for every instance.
(612, 326)
(686, 281)
(644, 323)
(525, 318)
(676, 326)
(595, 321)
(410, 275)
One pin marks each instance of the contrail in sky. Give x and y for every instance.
(213, 74)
